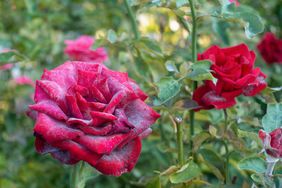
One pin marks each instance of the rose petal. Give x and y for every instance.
(120, 161)
(50, 108)
(53, 130)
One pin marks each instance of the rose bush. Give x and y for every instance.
(88, 112)
(233, 67)
(270, 48)
(80, 50)
(272, 142)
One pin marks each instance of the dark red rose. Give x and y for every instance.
(272, 142)
(270, 48)
(80, 50)
(234, 70)
(91, 113)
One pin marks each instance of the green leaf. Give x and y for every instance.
(200, 71)
(6, 56)
(253, 23)
(255, 164)
(187, 172)
(273, 117)
(168, 88)
(111, 36)
(149, 46)
(180, 3)
(220, 28)
(199, 139)
(154, 183)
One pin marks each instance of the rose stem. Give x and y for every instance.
(180, 141)
(132, 19)
(176, 122)
(226, 148)
(194, 60)
(270, 168)
(74, 175)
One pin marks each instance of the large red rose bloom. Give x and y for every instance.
(234, 70)
(88, 112)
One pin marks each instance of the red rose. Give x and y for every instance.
(91, 113)
(272, 142)
(270, 48)
(234, 70)
(80, 50)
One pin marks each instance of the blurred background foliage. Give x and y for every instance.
(37, 30)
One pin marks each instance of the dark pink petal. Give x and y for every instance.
(73, 107)
(52, 89)
(50, 108)
(43, 147)
(78, 151)
(64, 157)
(97, 131)
(101, 144)
(117, 98)
(53, 131)
(64, 75)
(141, 116)
(120, 161)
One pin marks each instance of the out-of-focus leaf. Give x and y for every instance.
(214, 170)
(200, 71)
(187, 172)
(112, 36)
(168, 88)
(220, 27)
(273, 117)
(180, 3)
(169, 171)
(6, 56)
(199, 139)
(154, 183)
(255, 164)
(252, 21)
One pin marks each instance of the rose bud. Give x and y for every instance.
(272, 142)
(233, 67)
(270, 48)
(87, 112)
(80, 50)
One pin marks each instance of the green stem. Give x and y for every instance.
(194, 60)
(74, 175)
(180, 143)
(226, 148)
(194, 31)
(132, 19)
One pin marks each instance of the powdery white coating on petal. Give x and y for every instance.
(84, 111)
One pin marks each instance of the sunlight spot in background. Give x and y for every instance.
(204, 41)
(174, 25)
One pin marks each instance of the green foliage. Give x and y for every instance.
(168, 88)
(186, 173)
(160, 62)
(273, 118)
(200, 71)
(255, 164)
